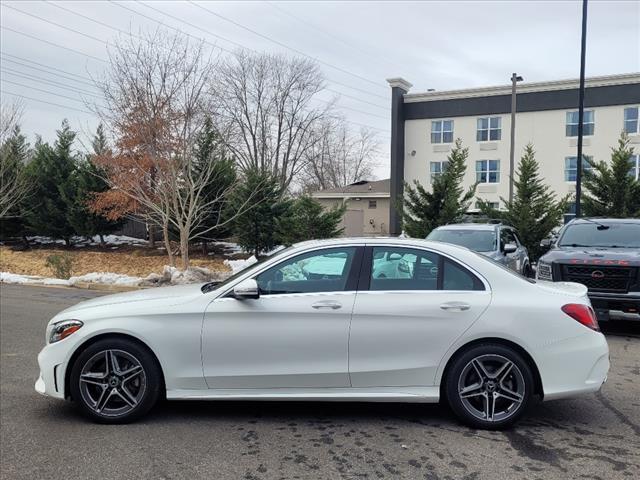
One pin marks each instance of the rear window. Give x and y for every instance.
(476, 240)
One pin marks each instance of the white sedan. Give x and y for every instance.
(315, 322)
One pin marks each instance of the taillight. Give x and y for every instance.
(583, 314)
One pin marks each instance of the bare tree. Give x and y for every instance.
(339, 156)
(13, 185)
(156, 105)
(265, 113)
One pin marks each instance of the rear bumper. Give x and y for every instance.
(608, 307)
(573, 366)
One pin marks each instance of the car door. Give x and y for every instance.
(512, 260)
(403, 325)
(295, 334)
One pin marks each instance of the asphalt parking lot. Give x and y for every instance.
(594, 436)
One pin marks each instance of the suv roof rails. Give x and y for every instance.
(479, 219)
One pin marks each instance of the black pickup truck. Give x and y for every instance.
(604, 255)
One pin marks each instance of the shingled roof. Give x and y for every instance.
(363, 187)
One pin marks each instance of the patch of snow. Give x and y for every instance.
(106, 278)
(238, 265)
(79, 242)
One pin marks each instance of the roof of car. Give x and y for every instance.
(373, 240)
(604, 220)
(470, 226)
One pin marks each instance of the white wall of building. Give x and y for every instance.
(545, 129)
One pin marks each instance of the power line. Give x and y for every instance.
(64, 86)
(53, 44)
(4, 80)
(56, 24)
(330, 35)
(48, 71)
(28, 76)
(208, 32)
(299, 52)
(6, 92)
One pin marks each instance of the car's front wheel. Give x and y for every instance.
(115, 381)
(489, 386)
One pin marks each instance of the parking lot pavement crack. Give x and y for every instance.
(621, 416)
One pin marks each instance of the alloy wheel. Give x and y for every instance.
(491, 388)
(112, 383)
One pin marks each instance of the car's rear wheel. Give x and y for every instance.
(115, 381)
(489, 386)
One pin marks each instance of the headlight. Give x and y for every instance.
(544, 271)
(61, 330)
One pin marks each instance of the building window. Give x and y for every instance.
(442, 131)
(572, 123)
(634, 171)
(488, 171)
(571, 167)
(631, 120)
(489, 128)
(373, 204)
(436, 169)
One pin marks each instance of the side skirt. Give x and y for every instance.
(381, 394)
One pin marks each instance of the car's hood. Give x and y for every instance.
(594, 256)
(162, 295)
(563, 288)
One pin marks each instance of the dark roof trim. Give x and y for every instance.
(526, 102)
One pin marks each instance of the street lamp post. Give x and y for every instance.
(515, 78)
(583, 50)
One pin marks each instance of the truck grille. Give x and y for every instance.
(599, 278)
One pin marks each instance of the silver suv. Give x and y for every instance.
(495, 240)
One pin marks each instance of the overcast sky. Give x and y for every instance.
(433, 44)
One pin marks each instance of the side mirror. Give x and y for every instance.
(510, 248)
(545, 243)
(246, 289)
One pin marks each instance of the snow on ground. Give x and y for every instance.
(237, 265)
(95, 277)
(80, 242)
(169, 276)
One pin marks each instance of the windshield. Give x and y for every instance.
(477, 240)
(612, 235)
(209, 287)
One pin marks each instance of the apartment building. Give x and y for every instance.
(424, 127)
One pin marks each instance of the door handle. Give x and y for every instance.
(333, 305)
(455, 306)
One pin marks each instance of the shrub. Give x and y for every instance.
(60, 264)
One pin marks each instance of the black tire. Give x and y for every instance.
(463, 378)
(526, 270)
(141, 387)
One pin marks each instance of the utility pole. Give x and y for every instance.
(515, 78)
(583, 51)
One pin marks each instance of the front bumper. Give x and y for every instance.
(608, 306)
(52, 361)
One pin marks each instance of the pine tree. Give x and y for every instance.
(534, 211)
(425, 210)
(14, 155)
(307, 220)
(210, 148)
(52, 173)
(609, 190)
(260, 197)
(89, 180)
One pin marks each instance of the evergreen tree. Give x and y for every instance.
(14, 155)
(534, 211)
(210, 148)
(261, 201)
(609, 190)
(307, 220)
(52, 172)
(89, 180)
(425, 210)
